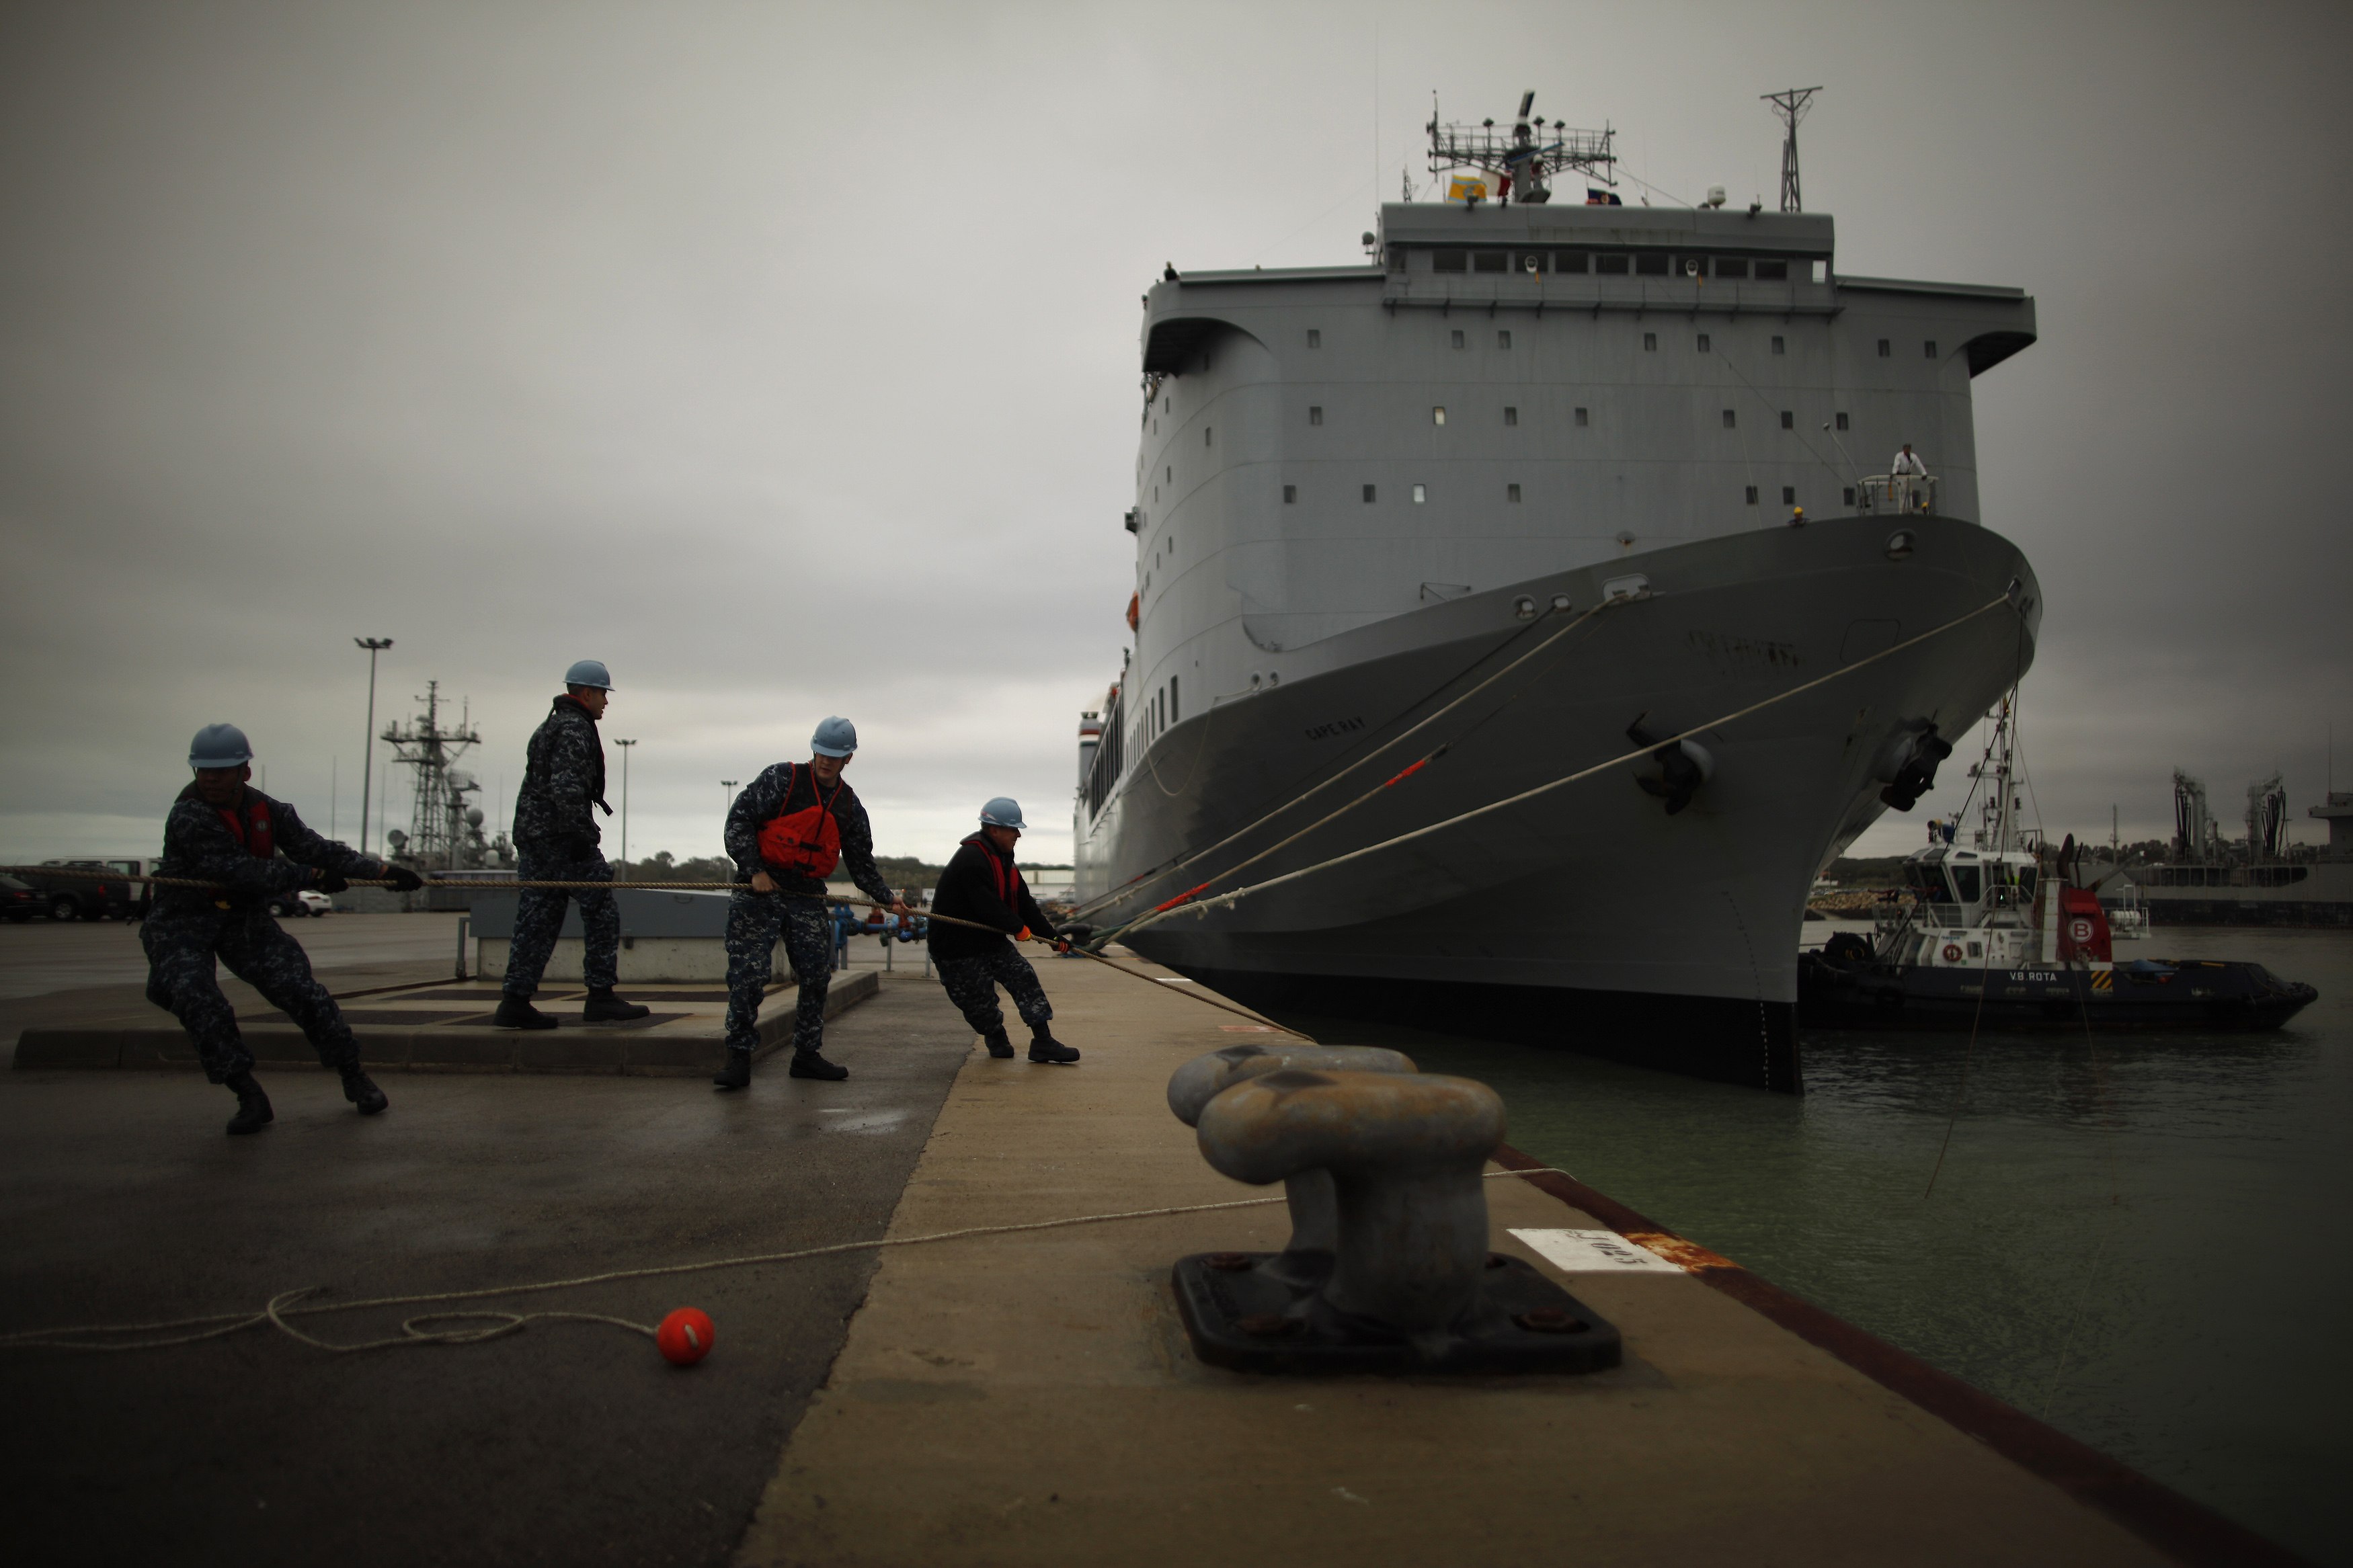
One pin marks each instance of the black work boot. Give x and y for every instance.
(253, 1112)
(517, 1012)
(1045, 1048)
(999, 1046)
(362, 1092)
(812, 1064)
(604, 1007)
(737, 1073)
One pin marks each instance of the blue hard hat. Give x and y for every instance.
(219, 746)
(836, 737)
(589, 672)
(1003, 812)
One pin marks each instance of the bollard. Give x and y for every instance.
(464, 923)
(1306, 1259)
(1412, 1286)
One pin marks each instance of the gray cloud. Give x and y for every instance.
(786, 359)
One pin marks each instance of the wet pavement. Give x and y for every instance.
(568, 1443)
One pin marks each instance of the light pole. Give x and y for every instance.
(727, 798)
(367, 764)
(625, 746)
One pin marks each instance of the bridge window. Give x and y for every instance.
(1788, 495)
(1850, 495)
(1368, 495)
(1883, 348)
(1752, 495)
(1772, 272)
(1730, 419)
(1504, 340)
(1450, 261)
(1649, 342)
(1510, 415)
(1789, 420)
(1490, 261)
(1206, 432)
(1583, 418)
(1651, 263)
(1732, 266)
(1570, 261)
(1703, 342)
(1616, 266)
(1512, 493)
(1780, 346)
(1930, 346)
(1458, 340)
(1315, 413)
(1841, 421)
(1315, 337)
(1438, 415)
(1967, 884)
(1290, 495)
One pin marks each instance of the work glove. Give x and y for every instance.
(403, 879)
(328, 881)
(1063, 944)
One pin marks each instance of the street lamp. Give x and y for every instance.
(728, 804)
(625, 746)
(368, 757)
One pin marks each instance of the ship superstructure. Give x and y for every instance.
(1362, 489)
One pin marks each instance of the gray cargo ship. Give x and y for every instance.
(1363, 490)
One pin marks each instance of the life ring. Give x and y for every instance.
(1952, 953)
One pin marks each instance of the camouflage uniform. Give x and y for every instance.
(189, 928)
(972, 983)
(797, 906)
(555, 836)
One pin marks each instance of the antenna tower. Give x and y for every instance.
(1521, 157)
(446, 827)
(1791, 105)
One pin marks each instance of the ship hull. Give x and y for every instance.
(1586, 916)
(2203, 995)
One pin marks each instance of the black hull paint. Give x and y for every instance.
(2201, 995)
(1723, 1039)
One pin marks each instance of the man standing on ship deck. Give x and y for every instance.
(982, 884)
(221, 829)
(786, 833)
(557, 837)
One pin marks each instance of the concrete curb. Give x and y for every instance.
(587, 1049)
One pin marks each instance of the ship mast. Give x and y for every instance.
(1519, 159)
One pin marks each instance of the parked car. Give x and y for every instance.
(19, 900)
(301, 901)
(88, 897)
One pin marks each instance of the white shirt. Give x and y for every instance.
(1907, 462)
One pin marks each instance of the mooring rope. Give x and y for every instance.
(1135, 885)
(1202, 906)
(302, 1302)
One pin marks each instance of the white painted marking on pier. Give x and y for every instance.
(1594, 1252)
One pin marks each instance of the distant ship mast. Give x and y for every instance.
(446, 828)
(1517, 161)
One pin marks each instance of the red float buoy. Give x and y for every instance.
(685, 1336)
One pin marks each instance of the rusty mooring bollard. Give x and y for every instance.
(1410, 1285)
(1314, 1221)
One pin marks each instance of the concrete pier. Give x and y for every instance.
(1026, 1398)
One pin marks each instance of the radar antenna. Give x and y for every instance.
(1791, 105)
(1520, 159)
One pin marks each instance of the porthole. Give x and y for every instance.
(1524, 608)
(1560, 603)
(1901, 543)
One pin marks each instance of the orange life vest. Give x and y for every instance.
(806, 843)
(252, 830)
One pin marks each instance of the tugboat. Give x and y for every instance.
(1997, 936)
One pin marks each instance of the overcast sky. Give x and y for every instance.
(784, 358)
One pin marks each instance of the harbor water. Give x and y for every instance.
(2137, 1239)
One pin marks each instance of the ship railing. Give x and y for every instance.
(1904, 493)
